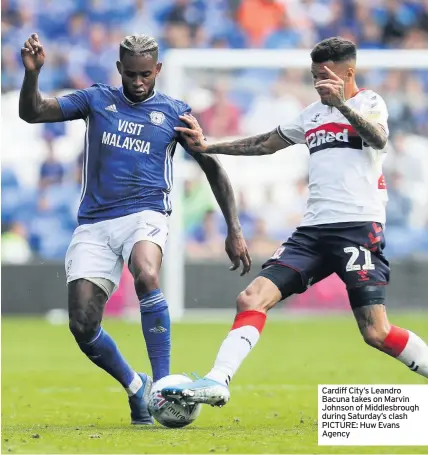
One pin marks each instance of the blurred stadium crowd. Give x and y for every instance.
(81, 40)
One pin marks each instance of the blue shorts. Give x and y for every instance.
(354, 251)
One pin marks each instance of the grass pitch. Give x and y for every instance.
(55, 401)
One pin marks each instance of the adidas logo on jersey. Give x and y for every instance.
(111, 108)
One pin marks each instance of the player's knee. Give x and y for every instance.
(247, 301)
(85, 306)
(147, 280)
(260, 295)
(375, 336)
(83, 327)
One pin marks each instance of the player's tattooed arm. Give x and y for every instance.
(33, 108)
(218, 179)
(262, 144)
(371, 133)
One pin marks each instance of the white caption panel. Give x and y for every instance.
(372, 415)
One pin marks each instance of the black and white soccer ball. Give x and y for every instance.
(171, 415)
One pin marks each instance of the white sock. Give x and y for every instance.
(415, 355)
(241, 339)
(135, 385)
(409, 349)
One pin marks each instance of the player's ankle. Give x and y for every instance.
(219, 376)
(135, 388)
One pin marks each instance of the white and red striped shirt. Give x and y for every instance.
(345, 175)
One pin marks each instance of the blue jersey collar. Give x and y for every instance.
(132, 103)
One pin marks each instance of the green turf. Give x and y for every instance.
(55, 401)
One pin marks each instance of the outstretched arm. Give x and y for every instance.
(33, 108)
(262, 144)
(371, 133)
(236, 247)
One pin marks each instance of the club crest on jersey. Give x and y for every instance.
(157, 118)
(315, 118)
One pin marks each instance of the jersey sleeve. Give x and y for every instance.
(183, 108)
(292, 132)
(76, 105)
(375, 110)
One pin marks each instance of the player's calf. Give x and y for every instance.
(374, 337)
(274, 283)
(86, 304)
(146, 259)
(252, 306)
(85, 307)
(146, 279)
(370, 313)
(373, 324)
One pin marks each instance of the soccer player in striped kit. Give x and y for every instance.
(125, 204)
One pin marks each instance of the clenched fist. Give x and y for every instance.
(32, 54)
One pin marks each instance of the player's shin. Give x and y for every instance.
(103, 351)
(155, 322)
(369, 310)
(243, 336)
(408, 348)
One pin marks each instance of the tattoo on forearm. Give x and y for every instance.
(255, 145)
(372, 134)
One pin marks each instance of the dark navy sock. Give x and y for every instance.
(157, 331)
(102, 350)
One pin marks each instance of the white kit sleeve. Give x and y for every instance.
(292, 132)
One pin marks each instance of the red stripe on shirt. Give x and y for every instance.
(333, 128)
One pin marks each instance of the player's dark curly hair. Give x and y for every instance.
(334, 49)
(139, 45)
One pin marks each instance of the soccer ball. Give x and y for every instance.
(171, 415)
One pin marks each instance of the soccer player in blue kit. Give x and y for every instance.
(125, 204)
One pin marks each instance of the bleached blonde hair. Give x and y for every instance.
(138, 45)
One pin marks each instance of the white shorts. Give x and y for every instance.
(99, 250)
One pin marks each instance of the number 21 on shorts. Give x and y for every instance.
(355, 253)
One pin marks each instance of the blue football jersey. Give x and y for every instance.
(128, 153)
